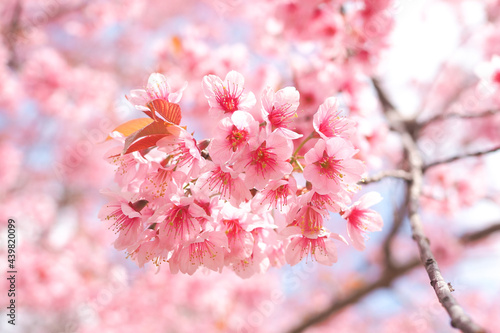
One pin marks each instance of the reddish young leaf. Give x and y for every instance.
(131, 126)
(144, 143)
(156, 130)
(171, 112)
(150, 114)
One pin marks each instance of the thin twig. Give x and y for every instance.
(399, 216)
(446, 116)
(382, 97)
(475, 236)
(459, 157)
(402, 174)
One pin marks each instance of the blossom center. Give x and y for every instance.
(237, 137)
(228, 99)
(263, 158)
(179, 224)
(329, 166)
(232, 227)
(198, 251)
(280, 116)
(122, 221)
(221, 181)
(278, 196)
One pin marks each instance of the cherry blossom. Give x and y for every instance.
(330, 166)
(362, 220)
(328, 122)
(205, 250)
(233, 134)
(226, 182)
(320, 249)
(158, 87)
(227, 96)
(279, 109)
(222, 184)
(265, 160)
(126, 219)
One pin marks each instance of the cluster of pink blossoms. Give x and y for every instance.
(246, 198)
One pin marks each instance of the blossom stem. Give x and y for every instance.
(302, 145)
(299, 165)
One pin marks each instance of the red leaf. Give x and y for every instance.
(150, 114)
(144, 143)
(171, 112)
(156, 130)
(132, 126)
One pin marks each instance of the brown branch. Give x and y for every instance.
(475, 236)
(442, 117)
(459, 319)
(402, 174)
(17, 29)
(382, 97)
(10, 35)
(384, 281)
(399, 216)
(388, 276)
(459, 157)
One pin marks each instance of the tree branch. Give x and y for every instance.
(475, 236)
(382, 97)
(441, 117)
(399, 215)
(384, 281)
(459, 319)
(459, 157)
(402, 174)
(388, 276)
(10, 35)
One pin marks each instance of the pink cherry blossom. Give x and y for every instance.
(158, 87)
(322, 249)
(147, 248)
(235, 223)
(206, 205)
(330, 201)
(233, 134)
(278, 193)
(328, 121)
(265, 160)
(225, 182)
(206, 250)
(227, 96)
(131, 168)
(330, 166)
(308, 219)
(161, 181)
(279, 108)
(184, 152)
(126, 220)
(258, 261)
(178, 222)
(362, 220)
